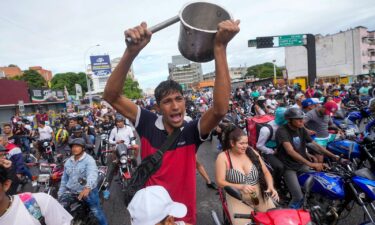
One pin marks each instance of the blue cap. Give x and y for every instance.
(307, 102)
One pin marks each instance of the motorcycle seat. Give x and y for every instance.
(366, 173)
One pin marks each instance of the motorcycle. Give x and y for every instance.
(104, 149)
(48, 179)
(126, 163)
(46, 150)
(328, 194)
(277, 216)
(80, 212)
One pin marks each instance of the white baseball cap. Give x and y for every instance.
(152, 204)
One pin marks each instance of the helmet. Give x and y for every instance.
(77, 141)
(119, 118)
(294, 113)
(77, 128)
(279, 116)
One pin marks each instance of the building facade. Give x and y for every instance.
(184, 72)
(235, 73)
(343, 55)
(10, 71)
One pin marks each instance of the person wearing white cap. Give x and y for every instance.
(153, 206)
(298, 100)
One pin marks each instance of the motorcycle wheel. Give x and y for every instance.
(50, 158)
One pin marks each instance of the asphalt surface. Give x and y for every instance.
(207, 199)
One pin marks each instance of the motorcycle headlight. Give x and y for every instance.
(45, 144)
(104, 136)
(123, 159)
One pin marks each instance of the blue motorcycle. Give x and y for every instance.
(329, 194)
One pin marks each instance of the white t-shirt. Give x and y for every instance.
(53, 212)
(118, 134)
(45, 132)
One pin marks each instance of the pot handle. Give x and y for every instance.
(160, 26)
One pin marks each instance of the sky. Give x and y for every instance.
(61, 35)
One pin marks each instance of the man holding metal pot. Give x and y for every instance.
(177, 172)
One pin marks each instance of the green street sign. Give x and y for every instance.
(291, 40)
(252, 43)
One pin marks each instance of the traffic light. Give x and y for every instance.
(264, 42)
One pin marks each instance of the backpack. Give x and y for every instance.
(32, 206)
(253, 126)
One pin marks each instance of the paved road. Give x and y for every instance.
(207, 199)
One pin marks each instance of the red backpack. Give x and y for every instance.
(253, 126)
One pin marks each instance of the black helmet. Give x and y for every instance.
(294, 113)
(77, 128)
(77, 141)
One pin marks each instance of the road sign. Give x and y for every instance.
(291, 40)
(21, 105)
(252, 43)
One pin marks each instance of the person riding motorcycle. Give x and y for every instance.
(123, 134)
(78, 132)
(266, 144)
(291, 150)
(80, 177)
(107, 125)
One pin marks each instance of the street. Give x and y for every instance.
(207, 199)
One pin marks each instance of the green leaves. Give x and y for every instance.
(32, 78)
(69, 80)
(264, 70)
(131, 89)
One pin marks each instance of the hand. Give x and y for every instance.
(247, 189)
(319, 166)
(84, 193)
(19, 176)
(140, 37)
(273, 193)
(5, 163)
(312, 158)
(226, 30)
(311, 132)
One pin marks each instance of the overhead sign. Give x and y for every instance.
(46, 95)
(278, 41)
(291, 40)
(100, 65)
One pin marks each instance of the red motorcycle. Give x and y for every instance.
(49, 178)
(275, 216)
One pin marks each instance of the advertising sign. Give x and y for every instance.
(46, 95)
(78, 90)
(100, 65)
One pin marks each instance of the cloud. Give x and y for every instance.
(57, 34)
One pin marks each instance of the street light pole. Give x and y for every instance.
(274, 72)
(85, 71)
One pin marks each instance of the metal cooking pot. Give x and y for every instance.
(198, 27)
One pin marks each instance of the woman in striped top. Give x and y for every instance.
(240, 166)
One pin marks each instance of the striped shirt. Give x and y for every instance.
(237, 177)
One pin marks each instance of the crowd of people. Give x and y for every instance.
(297, 115)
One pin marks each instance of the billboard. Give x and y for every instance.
(100, 65)
(46, 95)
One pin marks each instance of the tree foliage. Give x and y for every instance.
(131, 89)
(264, 70)
(32, 78)
(69, 80)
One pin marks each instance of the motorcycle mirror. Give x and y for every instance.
(235, 193)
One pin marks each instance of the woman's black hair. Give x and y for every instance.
(165, 88)
(4, 174)
(234, 133)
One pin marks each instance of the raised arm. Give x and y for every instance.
(226, 31)
(113, 91)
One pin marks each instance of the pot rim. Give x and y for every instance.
(194, 28)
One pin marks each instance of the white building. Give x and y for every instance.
(343, 55)
(235, 73)
(184, 72)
